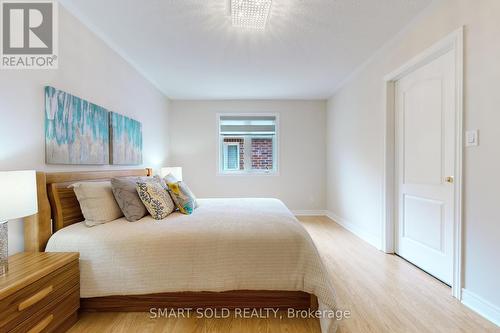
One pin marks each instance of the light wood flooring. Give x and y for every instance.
(383, 292)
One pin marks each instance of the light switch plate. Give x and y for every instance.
(472, 138)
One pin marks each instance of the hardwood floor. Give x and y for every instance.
(383, 292)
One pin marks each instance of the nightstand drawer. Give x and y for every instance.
(29, 300)
(53, 315)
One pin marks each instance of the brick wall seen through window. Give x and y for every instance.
(262, 153)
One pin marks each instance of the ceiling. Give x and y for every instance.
(189, 49)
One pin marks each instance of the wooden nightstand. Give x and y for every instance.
(40, 293)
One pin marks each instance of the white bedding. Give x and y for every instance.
(226, 244)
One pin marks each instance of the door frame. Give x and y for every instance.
(453, 41)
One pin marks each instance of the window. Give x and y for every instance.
(231, 156)
(248, 144)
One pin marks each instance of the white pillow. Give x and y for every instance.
(97, 202)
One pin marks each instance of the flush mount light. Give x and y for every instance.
(251, 14)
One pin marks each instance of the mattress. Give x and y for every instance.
(226, 244)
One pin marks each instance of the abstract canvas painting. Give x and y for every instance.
(76, 131)
(126, 140)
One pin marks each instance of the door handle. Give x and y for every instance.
(450, 179)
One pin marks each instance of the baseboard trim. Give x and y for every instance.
(359, 232)
(484, 308)
(367, 237)
(305, 212)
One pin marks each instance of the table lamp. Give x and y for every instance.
(175, 171)
(17, 199)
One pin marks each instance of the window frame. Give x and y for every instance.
(252, 172)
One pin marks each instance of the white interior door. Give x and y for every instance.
(425, 164)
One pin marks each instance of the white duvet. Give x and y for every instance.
(226, 244)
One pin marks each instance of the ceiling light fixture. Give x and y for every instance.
(251, 14)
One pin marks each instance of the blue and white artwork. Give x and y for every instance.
(76, 131)
(126, 140)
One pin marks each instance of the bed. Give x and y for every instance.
(247, 253)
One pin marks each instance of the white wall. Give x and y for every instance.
(88, 69)
(300, 183)
(355, 135)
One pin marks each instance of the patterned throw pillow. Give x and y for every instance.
(183, 197)
(156, 199)
(125, 192)
(170, 178)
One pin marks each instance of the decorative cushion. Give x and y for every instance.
(97, 202)
(170, 178)
(156, 199)
(162, 182)
(183, 197)
(125, 192)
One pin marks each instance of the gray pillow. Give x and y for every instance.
(125, 192)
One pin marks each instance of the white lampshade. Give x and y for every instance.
(175, 171)
(18, 195)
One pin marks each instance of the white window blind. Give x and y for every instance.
(231, 156)
(248, 125)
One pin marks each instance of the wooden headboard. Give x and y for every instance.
(57, 204)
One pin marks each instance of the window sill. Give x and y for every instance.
(247, 173)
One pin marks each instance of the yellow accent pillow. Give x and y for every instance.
(183, 197)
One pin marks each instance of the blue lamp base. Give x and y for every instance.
(4, 247)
